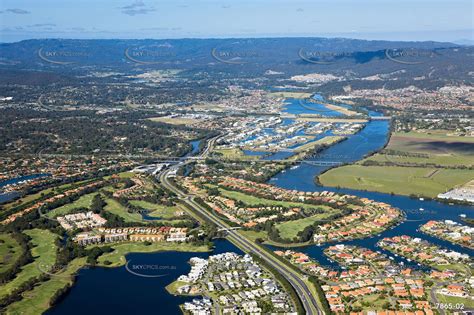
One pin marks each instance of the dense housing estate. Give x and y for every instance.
(133, 234)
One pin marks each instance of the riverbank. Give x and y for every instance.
(422, 163)
(117, 257)
(422, 182)
(132, 293)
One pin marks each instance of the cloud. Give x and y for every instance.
(136, 8)
(16, 11)
(300, 10)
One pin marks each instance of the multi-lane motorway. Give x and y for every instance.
(294, 278)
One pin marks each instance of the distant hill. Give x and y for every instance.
(279, 57)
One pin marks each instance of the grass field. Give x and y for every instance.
(456, 301)
(435, 142)
(173, 286)
(44, 254)
(412, 153)
(399, 180)
(122, 175)
(289, 230)
(119, 210)
(438, 146)
(117, 257)
(156, 210)
(175, 120)
(235, 154)
(447, 160)
(10, 251)
(38, 300)
(84, 201)
(374, 302)
(253, 235)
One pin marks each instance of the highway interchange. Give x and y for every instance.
(308, 300)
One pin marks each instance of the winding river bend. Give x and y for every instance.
(120, 292)
(371, 138)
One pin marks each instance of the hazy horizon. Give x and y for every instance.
(419, 20)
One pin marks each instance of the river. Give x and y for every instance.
(8, 196)
(120, 292)
(371, 138)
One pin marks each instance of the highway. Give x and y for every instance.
(294, 278)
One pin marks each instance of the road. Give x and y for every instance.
(294, 278)
(434, 298)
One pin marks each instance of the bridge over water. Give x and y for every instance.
(380, 117)
(311, 162)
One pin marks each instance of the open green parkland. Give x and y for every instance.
(116, 258)
(44, 254)
(290, 229)
(420, 163)
(38, 300)
(427, 182)
(84, 201)
(10, 251)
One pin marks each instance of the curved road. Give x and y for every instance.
(294, 278)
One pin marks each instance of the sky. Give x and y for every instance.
(439, 20)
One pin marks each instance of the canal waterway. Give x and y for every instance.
(371, 138)
(120, 292)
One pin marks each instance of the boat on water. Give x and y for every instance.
(422, 209)
(462, 215)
